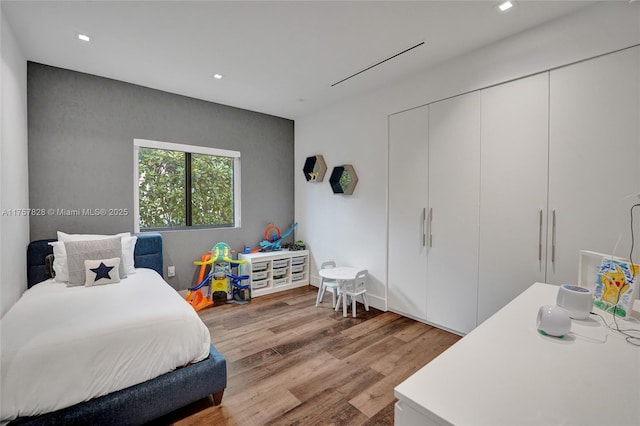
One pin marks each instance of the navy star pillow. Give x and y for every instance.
(104, 271)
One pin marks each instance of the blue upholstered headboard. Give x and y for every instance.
(147, 254)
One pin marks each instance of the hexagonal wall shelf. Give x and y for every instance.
(343, 179)
(314, 168)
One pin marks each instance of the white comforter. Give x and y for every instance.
(62, 345)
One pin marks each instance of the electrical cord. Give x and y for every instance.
(630, 338)
(633, 270)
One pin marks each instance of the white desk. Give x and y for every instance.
(505, 373)
(340, 274)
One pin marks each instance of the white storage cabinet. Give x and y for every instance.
(408, 202)
(434, 173)
(594, 148)
(270, 272)
(557, 167)
(513, 181)
(454, 203)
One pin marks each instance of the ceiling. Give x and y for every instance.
(279, 58)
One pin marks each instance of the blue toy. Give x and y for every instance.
(273, 243)
(241, 293)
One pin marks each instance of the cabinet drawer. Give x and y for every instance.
(297, 277)
(297, 268)
(261, 266)
(280, 263)
(280, 282)
(298, 260)
(259, 284)
(279, 272)
(259, 275)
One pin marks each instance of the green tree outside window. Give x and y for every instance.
(169, 197)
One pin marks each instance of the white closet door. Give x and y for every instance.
(593, 159)
(513, 208)
(454, 193)
(408, 174)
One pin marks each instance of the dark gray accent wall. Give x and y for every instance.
(81, 131)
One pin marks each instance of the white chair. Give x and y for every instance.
(350, 290)
(325, 284)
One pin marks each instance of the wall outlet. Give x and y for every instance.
(171, 271)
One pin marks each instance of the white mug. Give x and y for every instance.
(553, 321)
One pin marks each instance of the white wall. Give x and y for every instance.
(14, 184)
(353, 229)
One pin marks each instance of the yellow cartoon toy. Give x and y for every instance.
(616, 287)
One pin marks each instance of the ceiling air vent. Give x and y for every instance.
(378, 63)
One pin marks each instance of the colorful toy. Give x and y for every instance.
(196, 299)
(272, 242)
(203, 265)
(298, 245)
(220, 262)
(194, 295)
(241, 293)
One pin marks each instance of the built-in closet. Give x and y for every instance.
(496, 189)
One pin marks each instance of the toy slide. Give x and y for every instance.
(217, 279)
(197, 300)
(194, 296)
(203, 265)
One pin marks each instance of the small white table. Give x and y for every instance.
(340, 274)
(506, 373)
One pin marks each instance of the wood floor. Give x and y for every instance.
(290, 363)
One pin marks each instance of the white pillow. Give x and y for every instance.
(99, 272)
(128, 248)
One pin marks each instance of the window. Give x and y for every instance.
(183, 186)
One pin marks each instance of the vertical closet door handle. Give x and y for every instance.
(430, 223)
(423, 231)
(540, 238)
(553, 238)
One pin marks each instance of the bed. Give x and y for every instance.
(149, 357)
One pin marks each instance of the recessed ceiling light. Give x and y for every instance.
(84, 37)
(217, 76)
(504, 6)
